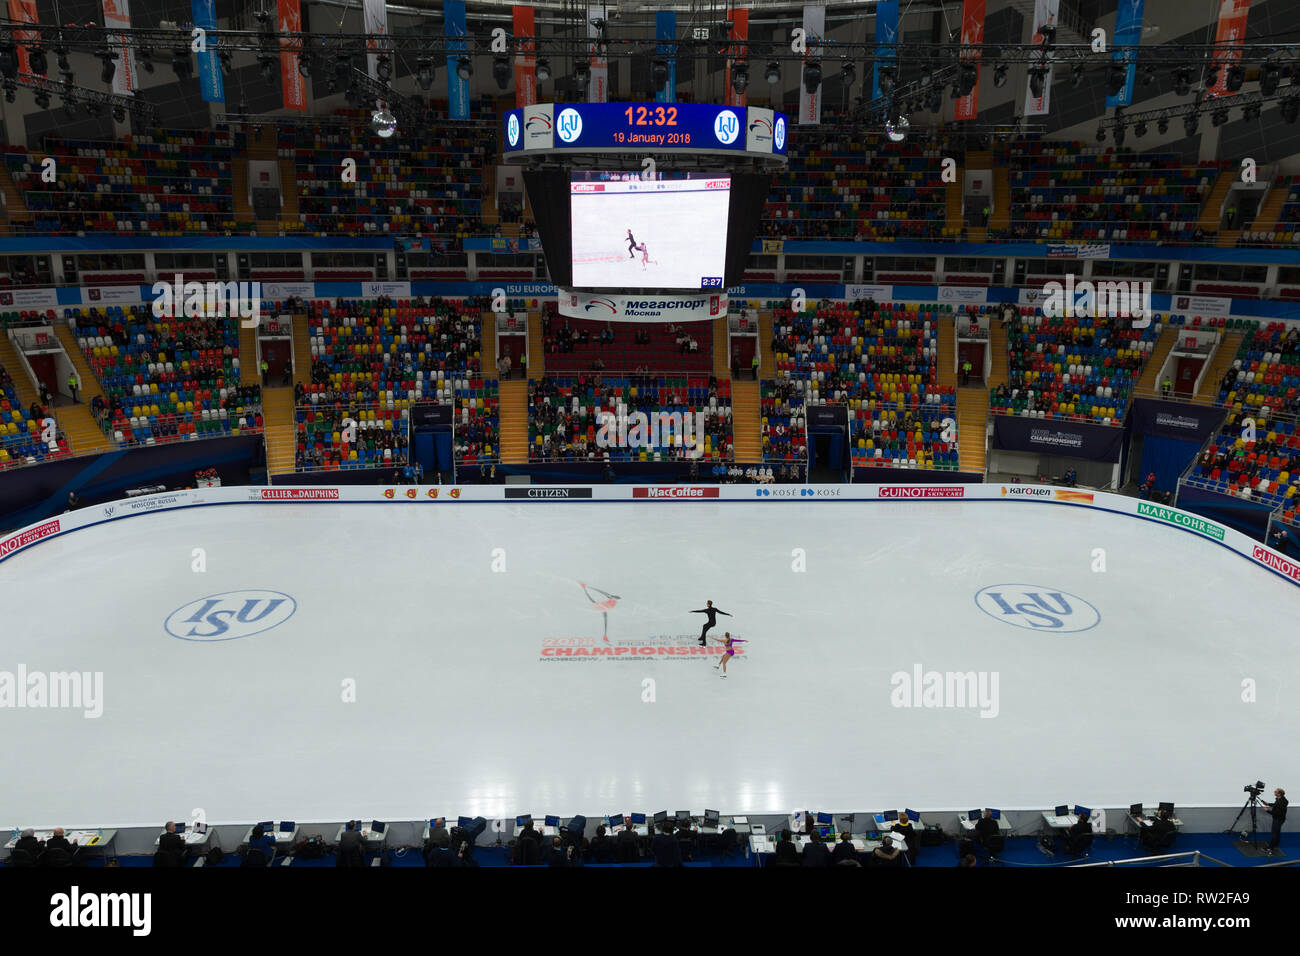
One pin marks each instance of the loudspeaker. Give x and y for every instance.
(223, 267)
(381, 267)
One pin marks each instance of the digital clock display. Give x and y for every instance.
(645, 126)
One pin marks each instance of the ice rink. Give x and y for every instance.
(441, 660)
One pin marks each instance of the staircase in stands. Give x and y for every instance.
(1223, 358)
(85, 437)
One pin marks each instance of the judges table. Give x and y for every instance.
(968, 825)
(194, 839)
(1144, 821)
(97, 840)
(374, 841)
(764, 844)
(283, 838)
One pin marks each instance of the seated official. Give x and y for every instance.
(171, 841)
(555, 855)
(664, 847)
(908, 832)
(627, 845)
(259, 839)
(1079, 835)
(889, 853)
(601, 847)
(58, 841)
(1158, 832)
(816, 853)
(787, 854)
(352, 845)
(986, 827)
(845, 850)
(28, 843)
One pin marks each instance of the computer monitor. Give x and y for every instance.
(912, 815)
(974, 815)
(891, 816)
(825, 831)
(825, 819)
(616, 819)
(1135, 809)
(1164, 805)
(287, 826)
(552, 821)
(438, 823)
(267, 826)
(466, 822)
(997, 814)
(638, 819)
(711, 818)
(683, 816)
(524, 820)
(180, 828)
(1080, 811)
(1062, 811)
(661, 817)
(377, 827)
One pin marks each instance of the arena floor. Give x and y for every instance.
(463, 705)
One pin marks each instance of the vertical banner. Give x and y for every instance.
(666, 34)
(24, 11)
(293, 83)
(1128, 32)
(453, 25)
(886, 33)
(210, 82)
(598, 91)
(972, 34)
(525, 57)
(739, 50)
(117, 15)
(1232, 29)
(1044, 15)
(814, 27)
(376, 21)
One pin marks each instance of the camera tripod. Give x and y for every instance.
(1252, 804)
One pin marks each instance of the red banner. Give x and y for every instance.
(525, 61)
(739, 35)
(294, 84)
(972, 34)
(24, 11)
(1232, 29)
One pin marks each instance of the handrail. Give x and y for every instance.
(1195, 860)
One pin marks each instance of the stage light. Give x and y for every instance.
(119, 114)
(1120, 133)
(1048, 32)
(773, 73)
(812, 76)
(43, 100)
(93, 110)
(266, 67)
(1291, 108)
(1236, 76)
(1269, 77)
(1115, 79)
(1191, 124)
(109, 67)
(543, 70)
(501, 71)
(1101, 135)
(11, 92)
(740, 77)
(967, 76)
(1182, 81)
(1076, 76)
(659, 74)
(1000, 75)
(464, 68)
(383, 68)
(934, 101)
(1219, 118)
(1036, 78)
(145, 53)
(62, 54)
(306, 60)
(1140, 129)
(887, 77)
(1162, 125)
(226, 61)
(8, 58)
(896, 129)
(848, 74)
(1211, 76)
(182, 65)
(1250, 112)
(383, 123)
(582, 74)
(38, 62)
(1148, 75)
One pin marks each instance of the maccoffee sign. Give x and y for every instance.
(673, 491)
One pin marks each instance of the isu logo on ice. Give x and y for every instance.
(1037, 608)
(231, 615)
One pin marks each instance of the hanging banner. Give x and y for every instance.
(1232, 29)
(598, 90)
(739, 52)
(972, 34)
(525, 59)
(886, 35)
(1044, 15)
(24, 11)
(117, 15)
(293, 83)
(1128, 32)
(376, 20)
(666, 34)
(814, 27)
(210, 82)
(453, 25)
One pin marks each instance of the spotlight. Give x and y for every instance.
(226, 61)
(543, 70)
(1162, 125)
(1120, 133)
(383, 68)
(812, 76)
(1140, 129)
(848, 74)
(342, 65)
(38, 62)
(1251, 112)
(109, 68)
(62, 53)
(1182, 81)
(501, 71)
(43, 100)
(1048, 33)
(1291, 108)
(306, 60)
(1036, 78)
(582, 73)
(966, 79)
(424, 73)
(1269, 77)
(145, 53)
(11, 92)
(1115, 78)
(1101, 135)
(93, 110)
(887, 76)
(8, 58)
(266, 66)
(1218, 118)
(181, 63)
(464, 68)
(1236, 76)
(896, 128)
(1000, 75)
(934, 100)
(1076, 77)
(659, 74)
(383, 123)
(1191, 124)
(773, 73)
(740, 77)
(1148, 75)
(1211, 76)
(119, 115)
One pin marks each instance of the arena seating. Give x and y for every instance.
(1071, 368)
(157, 185)
(565, 415)
(20, 431)
(374, 361)
(574, 345)
(427, 184)
(1265, 470)
(166, 379)
(1076, 192)
(876, 358)
(1266, 371)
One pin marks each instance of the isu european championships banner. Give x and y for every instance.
(1043, 436)
(649, 496)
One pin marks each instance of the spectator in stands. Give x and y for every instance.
(664, 847)
(171, 841)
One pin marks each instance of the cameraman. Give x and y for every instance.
(1277, 810)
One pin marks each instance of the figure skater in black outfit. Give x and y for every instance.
(713, 613)
(631, 245)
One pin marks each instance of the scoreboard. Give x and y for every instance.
(643, 127)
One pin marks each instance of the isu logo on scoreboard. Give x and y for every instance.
(512, 130)
(778, 137)
(726, 126)
(569, 125)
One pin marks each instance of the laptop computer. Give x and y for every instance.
(1080, 811)
(180, 828)
(1135, 809)
(615, 820)
(438, 823)
(683, 816)
(661, 817)
(1167, 806)
(552, 821)
(711, 818)
(377, 827)
(638, 819)
(268, 826)
(912, 815)
(287, 826)
(997, 814)
(466, 822)
(825, 820)
(974, 815)
(521, 821)
(891, 816)
(1062, 811)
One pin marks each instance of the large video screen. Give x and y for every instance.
(669, 232)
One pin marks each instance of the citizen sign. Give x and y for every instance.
(674, 492)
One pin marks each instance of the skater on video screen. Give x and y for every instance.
(713, 613)
(730, 651)
(645, 255)
(631, 245)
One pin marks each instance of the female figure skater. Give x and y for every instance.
(645, 255)
(730, 651)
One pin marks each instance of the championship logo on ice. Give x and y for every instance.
(1037, 608)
